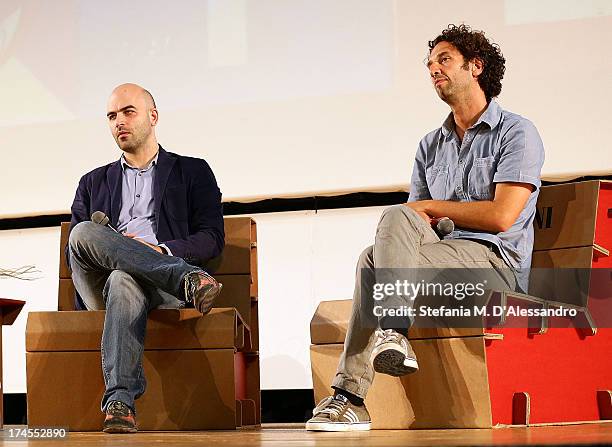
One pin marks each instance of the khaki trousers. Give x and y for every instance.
(405, 241)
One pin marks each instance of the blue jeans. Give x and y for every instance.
(128, 279)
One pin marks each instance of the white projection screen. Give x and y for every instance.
(282, 97)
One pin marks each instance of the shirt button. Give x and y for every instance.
(138, 195)
(139, 174)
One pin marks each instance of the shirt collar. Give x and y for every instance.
(490, 117)
(125, 164)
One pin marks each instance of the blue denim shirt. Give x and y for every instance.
(500, 147)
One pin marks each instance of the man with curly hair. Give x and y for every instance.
(481, 169)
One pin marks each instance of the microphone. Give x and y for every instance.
(442, 226)
(102, 219)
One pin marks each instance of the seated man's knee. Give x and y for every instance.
(393, 215)
(397, 215)
(81, 233)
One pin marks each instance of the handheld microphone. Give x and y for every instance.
(102, 219)
(442, 225)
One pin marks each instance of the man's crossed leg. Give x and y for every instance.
(404, 242)
(129, 279)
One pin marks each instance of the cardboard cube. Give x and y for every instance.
(480, 378)
(202, 371)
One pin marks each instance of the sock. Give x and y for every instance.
(398, 324)
(352, 398)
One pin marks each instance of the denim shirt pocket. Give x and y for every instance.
(437, 181)
(480, 178)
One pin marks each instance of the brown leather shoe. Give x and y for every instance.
(119, 418)
(201, 289)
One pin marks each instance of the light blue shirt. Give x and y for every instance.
(500, 147)
(137, 213)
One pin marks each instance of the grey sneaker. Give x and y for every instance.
(392, 354)
(336, 413)
(201, 289)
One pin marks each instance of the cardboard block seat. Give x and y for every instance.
(202, 371)
(485, 377)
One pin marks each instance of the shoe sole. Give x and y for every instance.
(338, 426)
(209, 298)
(392, 362)
(119, 429)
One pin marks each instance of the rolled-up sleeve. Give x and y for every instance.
(521, 155)
(418, 182)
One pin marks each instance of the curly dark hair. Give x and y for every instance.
(474, 45)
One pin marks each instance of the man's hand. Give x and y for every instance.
(419, 207)
(136, 237)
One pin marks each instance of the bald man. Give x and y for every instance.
(166, 222)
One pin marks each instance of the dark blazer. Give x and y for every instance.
(188, 210)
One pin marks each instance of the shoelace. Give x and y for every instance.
(191, 285)
(392, 336)
(118, 408)
(334, 408)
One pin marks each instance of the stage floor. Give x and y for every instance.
(295, 435)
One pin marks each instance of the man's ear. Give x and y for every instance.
(153, 116)
(476, 66)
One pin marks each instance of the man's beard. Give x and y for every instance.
(444, 94)
(452, 93)
(126, 146)
(132, 144)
